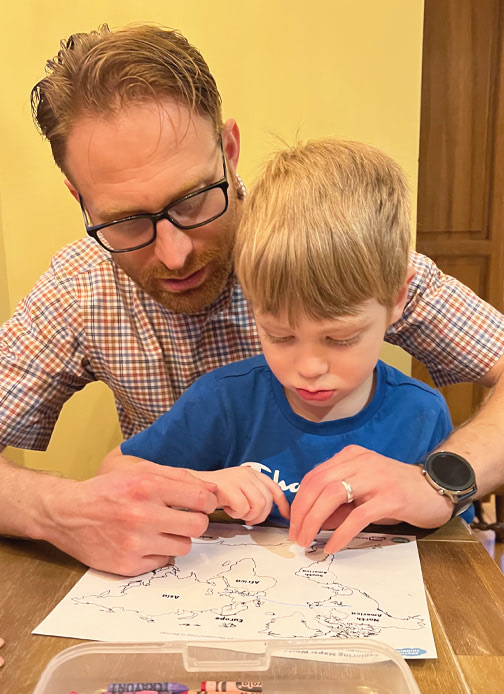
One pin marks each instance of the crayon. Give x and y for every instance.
(126, 687)
(210, 686)
(156, 691)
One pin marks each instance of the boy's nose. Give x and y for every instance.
(172, 245)
(311, 366)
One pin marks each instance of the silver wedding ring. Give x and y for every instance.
(349, 491)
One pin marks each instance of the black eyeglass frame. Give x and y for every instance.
(93, 230)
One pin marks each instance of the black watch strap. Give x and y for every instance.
(463, 504)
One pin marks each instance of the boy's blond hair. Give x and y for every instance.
(325, 228)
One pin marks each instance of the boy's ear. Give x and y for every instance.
(402, 296)
(72, 189)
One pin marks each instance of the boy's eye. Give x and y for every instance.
(348, 342)
(276, 340)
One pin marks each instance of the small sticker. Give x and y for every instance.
(411, 652)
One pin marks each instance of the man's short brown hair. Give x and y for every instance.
(325, 228)
(101, 72)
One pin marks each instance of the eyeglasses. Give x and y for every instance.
(139, 230)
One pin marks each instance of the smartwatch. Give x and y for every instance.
(452, 476)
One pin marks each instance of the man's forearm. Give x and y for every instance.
(24, 494)
(481, 441)
(127, 521)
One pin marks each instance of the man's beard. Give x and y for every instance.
(191, 300)
(220, 257)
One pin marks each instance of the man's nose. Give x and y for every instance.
(172, 245)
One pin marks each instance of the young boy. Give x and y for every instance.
(322, 254)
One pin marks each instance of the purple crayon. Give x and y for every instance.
(137, 687)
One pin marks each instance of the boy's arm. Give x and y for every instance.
(246, 494)
(242, 492)
(195, 435)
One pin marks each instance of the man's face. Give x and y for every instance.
(141, 160)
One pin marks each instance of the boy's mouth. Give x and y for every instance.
(319, 395)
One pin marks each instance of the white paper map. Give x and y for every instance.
(254, 583)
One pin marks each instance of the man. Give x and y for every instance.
(149, 303)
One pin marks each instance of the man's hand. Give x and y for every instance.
(382, 488)
(126, 521)
(246, 494)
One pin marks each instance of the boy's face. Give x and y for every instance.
(326, 366)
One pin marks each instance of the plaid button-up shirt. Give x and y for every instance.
(85, 320)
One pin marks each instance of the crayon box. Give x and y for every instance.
(329, 666)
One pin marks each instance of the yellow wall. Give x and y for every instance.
(4, 296)
(288, 68)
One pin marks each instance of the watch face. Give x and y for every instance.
(450, 471)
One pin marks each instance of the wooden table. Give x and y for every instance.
(465, 592)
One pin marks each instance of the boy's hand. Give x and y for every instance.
(245, 493)
(382, 488)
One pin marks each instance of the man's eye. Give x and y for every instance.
(188, 207)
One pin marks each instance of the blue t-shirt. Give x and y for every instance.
(239, 413)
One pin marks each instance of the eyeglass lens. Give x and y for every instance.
(195, 210)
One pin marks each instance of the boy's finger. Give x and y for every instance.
(281, 501)
(232, 512)
(261, 501)
(236, 504)
(278, 496)
(258, 498)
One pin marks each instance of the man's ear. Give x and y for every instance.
(231, 142)
(402, 296)
(72, 189)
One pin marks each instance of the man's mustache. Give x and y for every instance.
(193, 263)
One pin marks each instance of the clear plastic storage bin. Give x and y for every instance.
(282, 666)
